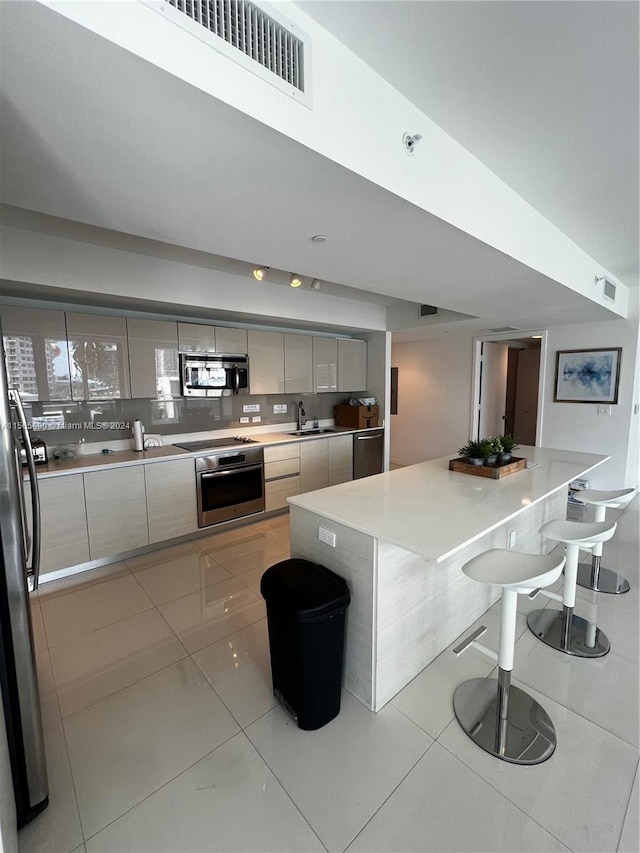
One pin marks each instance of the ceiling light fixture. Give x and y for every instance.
(315, 284)
(295, 280)
(536, 337)
(259, 273)
(319, 238)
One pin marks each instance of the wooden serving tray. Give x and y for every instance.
(494, 472)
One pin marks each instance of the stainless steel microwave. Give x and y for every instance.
(213, 374)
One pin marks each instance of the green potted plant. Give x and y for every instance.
(475, 452)
(509, 444)
(495, 449)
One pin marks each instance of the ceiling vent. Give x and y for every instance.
(256, 39)
(428, 310)
(608, 289)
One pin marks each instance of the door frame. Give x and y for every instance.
(501, 337)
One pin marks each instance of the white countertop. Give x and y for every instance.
(115, 458)
(434, 512)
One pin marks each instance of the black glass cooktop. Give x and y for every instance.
(209, 443)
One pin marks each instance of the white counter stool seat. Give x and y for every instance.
(562, 629)
(596, 577)
(500, 718)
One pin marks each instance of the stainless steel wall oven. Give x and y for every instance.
(230, 484)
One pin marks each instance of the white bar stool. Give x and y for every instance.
(596, 577)
(502, 719)
(562, 629)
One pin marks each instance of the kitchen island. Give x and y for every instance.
(401, 539)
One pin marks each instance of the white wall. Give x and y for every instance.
(434, 398)
(434, 403)
(579, 426)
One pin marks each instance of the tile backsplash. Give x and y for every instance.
(64, 423)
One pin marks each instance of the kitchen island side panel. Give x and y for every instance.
(422, 606)
(353, 559)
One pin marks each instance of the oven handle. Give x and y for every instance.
(207, 474)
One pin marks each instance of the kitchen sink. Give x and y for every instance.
(310, 431)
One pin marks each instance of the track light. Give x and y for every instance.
(295, 280)
(259, 273)
(315, 284)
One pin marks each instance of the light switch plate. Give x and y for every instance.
(256, 419)
(604, 410)
(244, 420)
(251, 407)
(280, 408)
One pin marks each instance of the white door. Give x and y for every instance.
(493, 389)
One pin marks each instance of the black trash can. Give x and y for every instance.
(306, 606)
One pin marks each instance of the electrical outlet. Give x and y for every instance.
(604, 410)
(511, 539)
(256, 419)
(244, 420)
(327, 537)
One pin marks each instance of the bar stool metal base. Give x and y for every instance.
(525, 736)
(604, 580)
(568, 633)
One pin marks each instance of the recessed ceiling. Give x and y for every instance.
(543, 93)
(93, 134)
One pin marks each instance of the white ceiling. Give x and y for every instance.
(543, 93)
(95, 135)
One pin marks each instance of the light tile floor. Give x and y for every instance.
(162, 732)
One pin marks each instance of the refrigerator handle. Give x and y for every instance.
(33, 572)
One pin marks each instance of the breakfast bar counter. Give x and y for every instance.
(400, 540)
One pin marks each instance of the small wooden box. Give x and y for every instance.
(494, 472)
(357, 417)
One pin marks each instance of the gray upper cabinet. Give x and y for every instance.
(98, 356)
(352, 365)
(231, 340)
(266, 362)
(153, 358)
(35, 345)
(298, 364)
(325, 364)
(196, 337)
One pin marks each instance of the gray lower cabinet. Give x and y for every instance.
(314, 464)
(116, 510)
(171, 499)
(65, 540)
(281, 474)
(340, 452)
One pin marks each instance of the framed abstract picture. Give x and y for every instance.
(587, 376)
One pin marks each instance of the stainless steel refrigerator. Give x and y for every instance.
(19, 569)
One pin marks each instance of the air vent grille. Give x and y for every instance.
(248, 29)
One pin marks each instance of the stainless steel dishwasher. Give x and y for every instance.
(368, 453)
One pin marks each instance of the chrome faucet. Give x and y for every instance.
(301, 416)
